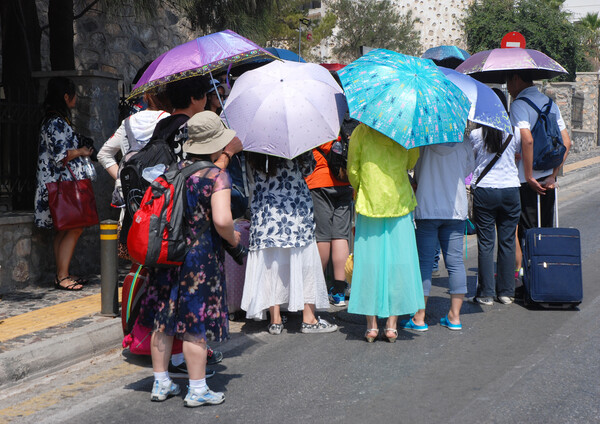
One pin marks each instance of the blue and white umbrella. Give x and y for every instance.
(405, 98)
(486, 107)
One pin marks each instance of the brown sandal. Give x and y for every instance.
(70, 287)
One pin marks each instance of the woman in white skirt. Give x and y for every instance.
(283, 268)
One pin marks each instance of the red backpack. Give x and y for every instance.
(157, 235)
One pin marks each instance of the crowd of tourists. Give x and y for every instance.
(301, 216)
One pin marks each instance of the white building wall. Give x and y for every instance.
(439, 23)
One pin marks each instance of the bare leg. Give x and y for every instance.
(391, 322)
(456, 301)
(372, 325)
(308, 314)
(58, 238)
(275, 314)
(160, 349)
(195, 358)
(419, 317)
(324, 247)
(339, 255)
(64, 246)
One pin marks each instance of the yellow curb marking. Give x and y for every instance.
(109, 226)
(54, 396)
(51, 316)
(108, 236)
(587, 162)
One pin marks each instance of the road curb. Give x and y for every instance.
(58, 352)
(578, 175)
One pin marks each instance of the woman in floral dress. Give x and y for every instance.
(284, 267)
(59, 149)
(189, 302)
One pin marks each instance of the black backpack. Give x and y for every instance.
(548, 147)
(133, 184)
(337, 158)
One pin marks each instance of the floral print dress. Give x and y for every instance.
(56, 138)
(282, 208)
(189, 302)
(283, 267)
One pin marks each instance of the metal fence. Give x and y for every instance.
(19, 132)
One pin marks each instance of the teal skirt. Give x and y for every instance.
(386, 279)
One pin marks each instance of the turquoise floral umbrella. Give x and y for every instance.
(406, 98)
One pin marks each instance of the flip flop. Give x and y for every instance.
(70, 287)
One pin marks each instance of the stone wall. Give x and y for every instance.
(584, 133)
(26, 255)
(25, 252)
(120, 42)
(588, 84)
(583, 141)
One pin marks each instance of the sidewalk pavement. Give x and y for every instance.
(43, 330)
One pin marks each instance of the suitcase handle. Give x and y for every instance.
(539, 208)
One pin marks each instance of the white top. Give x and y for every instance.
(504, 173)
(523, 116)
(440, 173)
(142, 126)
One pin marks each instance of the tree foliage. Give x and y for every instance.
(590, 26)
(373, 23)
(271, 23)
(251, 18)
(543, 24)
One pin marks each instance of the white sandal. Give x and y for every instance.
(391, 339)
(371, 339)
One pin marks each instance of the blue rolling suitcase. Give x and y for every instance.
(552, 265)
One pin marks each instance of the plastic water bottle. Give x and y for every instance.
(337, 147)
(89, 169)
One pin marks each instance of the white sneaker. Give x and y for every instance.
(162, 390)
(321, 326)
(487, 301)
(205, 397)
(506, 300)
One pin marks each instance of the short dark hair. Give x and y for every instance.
(524, 75)
(182, 92)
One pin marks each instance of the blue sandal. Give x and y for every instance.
(445, 322)
(409, 324)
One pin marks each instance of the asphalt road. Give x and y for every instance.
(509, 364)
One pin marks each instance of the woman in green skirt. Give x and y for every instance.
(386, 279)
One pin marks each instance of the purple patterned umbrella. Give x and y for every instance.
(491, 65)
(201, 56)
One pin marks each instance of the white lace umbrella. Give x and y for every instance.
(285, 108)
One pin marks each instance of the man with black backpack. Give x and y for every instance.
(534, 113)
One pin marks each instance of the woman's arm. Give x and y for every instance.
(82, 151)
(234, 146)
(112, 146)
(220, 202)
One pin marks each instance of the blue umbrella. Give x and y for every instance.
(486, 107)
(447, 56)
(406, 98)
(285, 54)
(445, 52)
